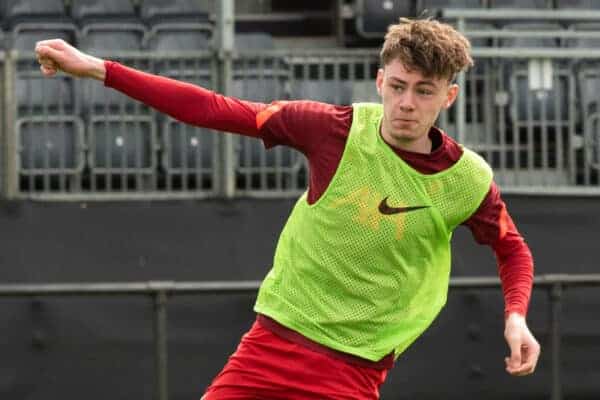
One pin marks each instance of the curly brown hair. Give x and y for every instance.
(433, 48)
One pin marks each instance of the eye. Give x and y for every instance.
(398, 88)
(424, 92)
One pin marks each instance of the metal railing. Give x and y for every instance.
(162, 290)
(529, 108)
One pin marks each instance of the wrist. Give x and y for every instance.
(97, 69)
(513, 316)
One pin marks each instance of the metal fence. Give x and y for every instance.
(160, 291)
(531, 112)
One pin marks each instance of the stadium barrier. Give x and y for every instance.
(160, 291)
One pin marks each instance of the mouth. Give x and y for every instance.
(404, 121)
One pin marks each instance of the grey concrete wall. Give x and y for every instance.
(101, 348)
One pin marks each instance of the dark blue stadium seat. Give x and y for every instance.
(159, 11)
(374, 16)
(122, 144)
(112, 37)
(35, 94)
(16, 11)
(188, 149)
(50, 144)
(86, 11)
(179, 36)
(25, 35)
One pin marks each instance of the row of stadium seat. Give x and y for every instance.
(82, 11)
(112, 36)
(198, 36)
(374, 16)
(149, 10)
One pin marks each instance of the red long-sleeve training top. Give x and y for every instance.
(320, 131)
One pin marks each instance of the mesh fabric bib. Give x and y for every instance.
(364, 270)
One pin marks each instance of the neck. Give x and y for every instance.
(422, 145)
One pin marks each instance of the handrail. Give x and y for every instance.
(527, 14)
(161, 290)
(217, 287)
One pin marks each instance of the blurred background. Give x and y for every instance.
(132, 245)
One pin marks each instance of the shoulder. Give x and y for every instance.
(303, 112)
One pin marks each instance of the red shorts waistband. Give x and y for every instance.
(266, 322)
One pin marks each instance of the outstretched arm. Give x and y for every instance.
(492, 225)
(183, 101)
(316, 129)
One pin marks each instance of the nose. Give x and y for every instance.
(406, 101)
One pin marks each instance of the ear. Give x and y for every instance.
(451, 95)
(379, 80)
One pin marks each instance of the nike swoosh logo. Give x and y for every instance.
(387, 210)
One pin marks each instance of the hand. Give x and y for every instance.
(56, 54)
(524, 349)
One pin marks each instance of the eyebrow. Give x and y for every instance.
(419, 83)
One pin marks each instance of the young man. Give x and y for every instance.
(362, 266)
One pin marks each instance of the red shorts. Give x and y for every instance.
(266, 366)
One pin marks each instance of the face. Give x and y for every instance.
(411, 105)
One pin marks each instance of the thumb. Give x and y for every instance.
(515, 353)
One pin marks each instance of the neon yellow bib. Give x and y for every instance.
(365, 269)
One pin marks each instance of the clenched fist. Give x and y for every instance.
(56, 54)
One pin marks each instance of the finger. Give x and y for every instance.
(48, 52)
(529, 359)
(47, 62)
(48, 72)
(53, 43)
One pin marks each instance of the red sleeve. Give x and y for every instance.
(492, 225)
(185, 102)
